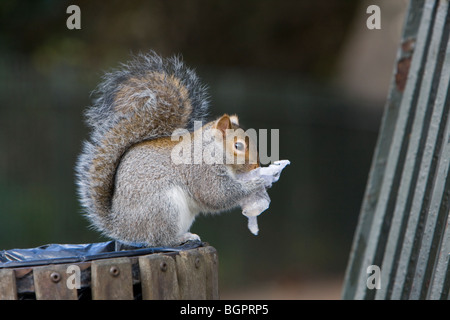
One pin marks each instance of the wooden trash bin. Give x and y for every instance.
(183, 274)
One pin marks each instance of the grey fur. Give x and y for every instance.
(148, 199)
(143, 209)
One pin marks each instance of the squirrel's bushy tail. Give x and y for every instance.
(147, 98)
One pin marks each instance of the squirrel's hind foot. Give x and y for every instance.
(187, 237)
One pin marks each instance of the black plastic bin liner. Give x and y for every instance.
(72, 253)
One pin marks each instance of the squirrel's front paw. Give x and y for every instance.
(188, 237)
(255, 183)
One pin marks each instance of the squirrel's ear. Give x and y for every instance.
(223, 123)
(234, 119)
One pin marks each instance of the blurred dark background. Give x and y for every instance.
(308, 68)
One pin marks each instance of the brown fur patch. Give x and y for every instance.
(164, 142)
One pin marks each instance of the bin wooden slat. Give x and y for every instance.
(211, 272)
(50, 283)
(191, 271)
(159, 279)
(111, 279)
(8, 289)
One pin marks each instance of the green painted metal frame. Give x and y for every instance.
(404, 221)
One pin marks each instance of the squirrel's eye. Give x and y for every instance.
(239, 146)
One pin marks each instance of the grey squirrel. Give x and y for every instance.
(128, 185)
